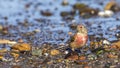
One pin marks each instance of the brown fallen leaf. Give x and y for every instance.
(22, 47)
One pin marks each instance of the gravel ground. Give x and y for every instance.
(30, 21)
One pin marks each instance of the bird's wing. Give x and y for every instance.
(72, 38)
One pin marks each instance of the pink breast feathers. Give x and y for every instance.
(81, 39)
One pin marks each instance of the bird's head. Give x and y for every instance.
(81, 29)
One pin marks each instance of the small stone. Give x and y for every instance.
(112, 56)
(117, 35)
(16, 66)
(46, 54)
(46, 13)
(106, 42)
(60, 60)
(73, 26)
(109, 13)
(88, 12)
(66, 52)
(20, 40)
(73, 57)
(101, 13)
(106, 13)
(5, 30)
(113, 66)
(86, 66)
(93, 45)
(37, 52)
(54, 52)
(91, 57)
(79, 6)
(81, 58)
(82, 62)
(37, 30)
(15, 55)
(70, 33)
(3, 50)
(64, 13)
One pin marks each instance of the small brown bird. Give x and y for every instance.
(80, 38)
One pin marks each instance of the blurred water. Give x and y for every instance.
(16, 12)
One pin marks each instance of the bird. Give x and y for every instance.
(79, 39)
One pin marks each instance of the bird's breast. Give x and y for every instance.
(80, 39)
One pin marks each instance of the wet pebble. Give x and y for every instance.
(106, 42)
(88, 12)
(46, 13)
(106, 13)
(79, 6)
(64, 13)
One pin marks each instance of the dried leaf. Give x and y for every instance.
(22, 47)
